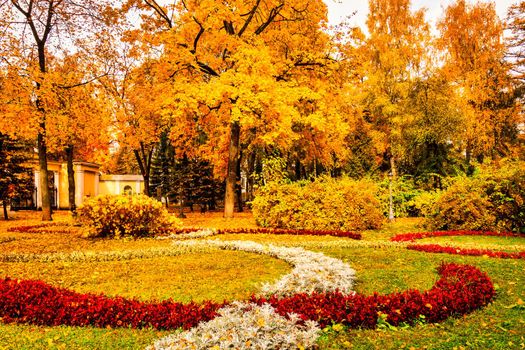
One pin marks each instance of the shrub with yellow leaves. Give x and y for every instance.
(324, 204)
(123, 215)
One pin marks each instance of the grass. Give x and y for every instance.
(232, 275)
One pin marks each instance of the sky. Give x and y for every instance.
(339, 9)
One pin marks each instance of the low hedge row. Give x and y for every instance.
(461, 289)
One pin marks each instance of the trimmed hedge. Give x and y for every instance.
(324, 204)
(123, 215)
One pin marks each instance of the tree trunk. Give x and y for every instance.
(144, 160)
(239, 184)
(393, 167)
(251, 173)
(231, 177)
(4, 204)
(468, 158)
(70, 179)
(297, 169)
(44, 177)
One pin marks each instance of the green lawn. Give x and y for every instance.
(227, 275)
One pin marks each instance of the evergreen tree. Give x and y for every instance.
(15, 173)
(184, 180)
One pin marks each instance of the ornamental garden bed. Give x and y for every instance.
(450, 248)
(380, 267)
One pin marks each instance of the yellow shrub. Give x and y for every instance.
(123, 215)
(325, 204)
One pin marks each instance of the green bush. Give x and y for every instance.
(408, 199)
(492, 200)
(324, 204)
(124, 215)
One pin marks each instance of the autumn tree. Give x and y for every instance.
(394, 55)
(435, 130)
(233, 71)
(472, 38)
(78, 117)
(33, 31)
(516, 41)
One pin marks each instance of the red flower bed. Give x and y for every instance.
(35, 302)
(38, 228)
(436, 248)
(261, 230)
(274, 231)
(461, 289)
(410, 237)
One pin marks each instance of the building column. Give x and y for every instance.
(79, 183)
(97, 182)
(137, 187)
(38, 189)
(57, 185)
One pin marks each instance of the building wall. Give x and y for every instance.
(88, 183)
(116, 184)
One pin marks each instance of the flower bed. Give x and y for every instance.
(461, 289)
(48, 227)
(264, 230)
(36, 302)
(410, 237)
(436, 248)
(245, 326)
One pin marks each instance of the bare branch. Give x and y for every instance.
(250, 17)
(83, 82)
(197, 38)
(160, 11)
(271, 17)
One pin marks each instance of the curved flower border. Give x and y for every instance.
(460, 290)
(448, 249)
(173, 233)
(411, 237)
(47, 227)
(436, 248)
(170, 233)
